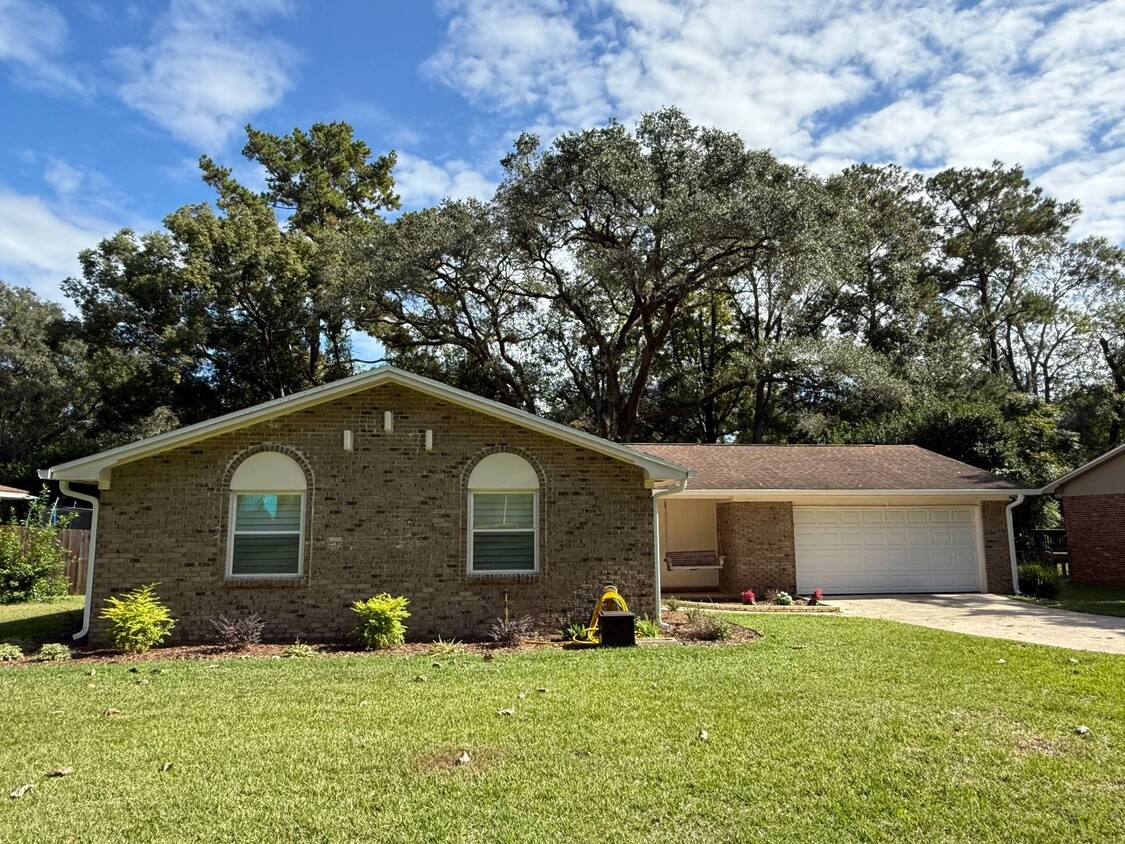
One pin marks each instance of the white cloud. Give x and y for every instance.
(422, 182)
(208, 70)
(32, 35)
(927, 85)
(40, 242)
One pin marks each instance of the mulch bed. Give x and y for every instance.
(678, 627)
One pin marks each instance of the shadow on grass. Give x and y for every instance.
(39, 623)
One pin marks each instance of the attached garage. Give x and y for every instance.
(848, 519)
(855, 550)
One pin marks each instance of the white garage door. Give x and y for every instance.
(849, 550)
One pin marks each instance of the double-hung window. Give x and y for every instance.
(503, 516)
(267, 519)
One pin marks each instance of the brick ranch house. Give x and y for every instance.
(1093, 506)
(387, 481)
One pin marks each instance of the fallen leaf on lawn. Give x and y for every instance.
(522, 695)
(1082, 729)
(1072, 661)
(703, 735)
(464, 758)
(365, 703)
(61, 772)
(436, 665)
(167, 766)
(93, 671)
(508, 711)
(421, 678)
(91, 685)
(21, 791)
(109, 713)
(143, 682)
(542, 691)
(58, 712)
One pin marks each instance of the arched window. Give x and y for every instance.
(503, 516)
(267, 521)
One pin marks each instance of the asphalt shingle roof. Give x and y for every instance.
(824, 467)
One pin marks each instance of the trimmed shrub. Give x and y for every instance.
(10, 652)
(508, 634)
(32, 563)
(238, 633)
(380, 621)
(53, 652)
(647, 628)
(1040, 581)
(138, 621)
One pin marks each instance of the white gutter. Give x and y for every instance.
(1012, 542)
(679, 486)
(81, 496)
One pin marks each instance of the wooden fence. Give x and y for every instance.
(77, 542)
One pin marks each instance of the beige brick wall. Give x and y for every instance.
(399, 512)
(756, 538)
(997, 557)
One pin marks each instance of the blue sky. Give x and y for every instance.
(108, 105)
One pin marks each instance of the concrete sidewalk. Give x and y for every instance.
(994, 615)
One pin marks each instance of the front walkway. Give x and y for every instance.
(994, 615)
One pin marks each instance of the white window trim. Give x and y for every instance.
(534, 532)
(232, 516)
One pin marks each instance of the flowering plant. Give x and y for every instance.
(817, 597)
(748, 597)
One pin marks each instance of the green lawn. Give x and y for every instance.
(1087, 597)
(51, 621)
(828, 729)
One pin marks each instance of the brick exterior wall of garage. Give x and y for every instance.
(756, 538)
(1095, 537)
(997, 555)
(388, 516)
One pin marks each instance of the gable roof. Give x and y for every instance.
(10, 492)
(1082, 470)
(824, 468)
(96, 468)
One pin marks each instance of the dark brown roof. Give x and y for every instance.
(819, 467)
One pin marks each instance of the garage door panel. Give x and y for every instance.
(846, 550)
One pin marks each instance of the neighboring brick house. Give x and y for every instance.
(845, 519)
(385, 481)
(1093, 507)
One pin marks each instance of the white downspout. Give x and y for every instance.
(81, 496)
(1012, 543)
(679, 486)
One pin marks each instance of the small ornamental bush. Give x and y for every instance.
(238, 633)
(10, 652)
(1040, 581)
(380, 621)
(446, 647)
(647, 628)
(53, 652)
(816, 597)
(713, 629)
(508, 634)
(783, 599)
(748, 597)
(574, 630)
(299, 650)
(138, 621)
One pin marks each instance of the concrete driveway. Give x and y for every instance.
(997, 616)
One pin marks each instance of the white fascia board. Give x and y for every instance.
(96, 467)
(1082, 470)
(786, 494)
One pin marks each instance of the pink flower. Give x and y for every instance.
(748, 597)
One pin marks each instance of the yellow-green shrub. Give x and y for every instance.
(138, 621)
(380, 621)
